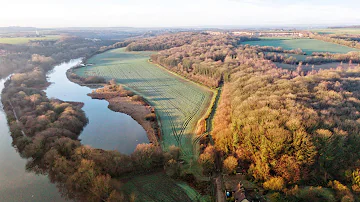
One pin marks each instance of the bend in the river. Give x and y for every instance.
(106, 129)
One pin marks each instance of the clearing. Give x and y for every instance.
(307, 45)
(179, 103)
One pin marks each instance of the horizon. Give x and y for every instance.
(184, 14)
(220, 27)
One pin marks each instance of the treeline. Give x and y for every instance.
(317, 58)
(344, 42)
(347, 37)
(161, 42)
(353, 57)
(279, 50)
(168, 41)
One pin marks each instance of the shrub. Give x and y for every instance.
(315, 194)
(137, 98)
(150, 117)
(275, 197)
(207, 160)
(342, 191)
(230, 164)
(274, 183)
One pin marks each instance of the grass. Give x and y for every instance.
(23, 40)
(179, 103)
(307, 45)
(338, 31)
(160, 187)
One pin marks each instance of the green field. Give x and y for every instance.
(159, 187)
(338, 31)
(179, 103)
(23, 40)
(276, 38)
(307, 45)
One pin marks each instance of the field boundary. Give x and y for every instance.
(210, 103)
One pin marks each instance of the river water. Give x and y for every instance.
(106, 130)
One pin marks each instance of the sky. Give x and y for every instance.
(174, 13)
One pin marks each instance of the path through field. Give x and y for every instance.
(179, 103)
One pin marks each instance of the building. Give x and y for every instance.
(238, 33)
(214, 33)
(237, 194)
(268, 34)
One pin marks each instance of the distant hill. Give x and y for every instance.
(17, 29)
(343, 27)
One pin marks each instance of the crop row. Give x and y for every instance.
(179, 103)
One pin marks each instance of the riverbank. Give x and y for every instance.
(138, 110)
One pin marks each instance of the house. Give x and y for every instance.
(237, 194)
(239, 33)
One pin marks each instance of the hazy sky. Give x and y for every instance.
(174, 13)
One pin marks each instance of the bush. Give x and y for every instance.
(342, 191)
(150, 117)
(275, 197)
(230, 164)
(137, 98)
(275, 184)
(315, 194)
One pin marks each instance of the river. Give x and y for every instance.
(106, 130)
